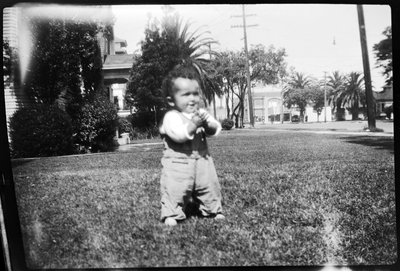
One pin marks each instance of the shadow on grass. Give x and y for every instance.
(19, 162)
(193, 210)
(376, 142)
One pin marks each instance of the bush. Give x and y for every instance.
(388, 111)
(124, 126)
(41, 130)
(227, 124)
(97, 123)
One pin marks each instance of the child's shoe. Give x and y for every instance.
(219, 216)
(169, 221)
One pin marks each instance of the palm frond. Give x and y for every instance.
(194, 33)
(183, 33)
(202, 42)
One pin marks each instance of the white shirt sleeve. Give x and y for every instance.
(174, 127)
(210, 119)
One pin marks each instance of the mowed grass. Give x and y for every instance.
(290, 198)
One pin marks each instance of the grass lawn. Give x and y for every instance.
(290, 198)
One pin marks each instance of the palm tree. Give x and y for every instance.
(300, 81)
(296, 91)
(193, 49)
(354, 93)
(336, 82)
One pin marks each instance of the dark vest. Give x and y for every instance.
(191, 148)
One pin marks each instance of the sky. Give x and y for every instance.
(317, 38)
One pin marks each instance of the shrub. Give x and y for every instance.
(124, 126)
(388, 111)
(97, 123)
(41, 130)
(227, 124)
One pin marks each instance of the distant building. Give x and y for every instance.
(267, 107)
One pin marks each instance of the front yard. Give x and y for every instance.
(289, 199)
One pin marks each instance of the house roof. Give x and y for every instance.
(385, 95)
(118, 61)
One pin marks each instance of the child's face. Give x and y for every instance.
(186, 95)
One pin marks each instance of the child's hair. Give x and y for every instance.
(184, 71)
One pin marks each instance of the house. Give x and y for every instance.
(116, 70)
(116, 62)
(383, 100)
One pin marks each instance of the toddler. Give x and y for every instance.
(188, 169)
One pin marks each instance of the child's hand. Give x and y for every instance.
(203, 114)
(197, 120)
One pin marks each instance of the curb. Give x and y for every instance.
(342, 131)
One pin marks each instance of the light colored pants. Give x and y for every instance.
(186, 178)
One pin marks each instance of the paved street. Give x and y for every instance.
(333, 127)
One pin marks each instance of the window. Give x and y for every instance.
(258, 102)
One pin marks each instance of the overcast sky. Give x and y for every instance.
(316, 37)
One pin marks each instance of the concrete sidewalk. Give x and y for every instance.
(332, 126)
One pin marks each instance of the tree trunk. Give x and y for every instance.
(354, 112)
(240, 113)
(302, 115)
(232, 105)
(339, 110)
(236, 120)
(228, 111)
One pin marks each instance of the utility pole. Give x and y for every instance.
(367, 73)
(251, 113)
(325, 97)
(282, 115)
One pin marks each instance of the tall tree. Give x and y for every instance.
(166, 44)
(225, 77)
(65, 56)
(298, 97)
(354, 93)
(7, 52)
(10, 63)
(266, 65)
(383, 53)
(143, 88)
(65, 68)
(192, 47)
(299, 80)
(336, 84)
(297, 92)
(317, 97)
